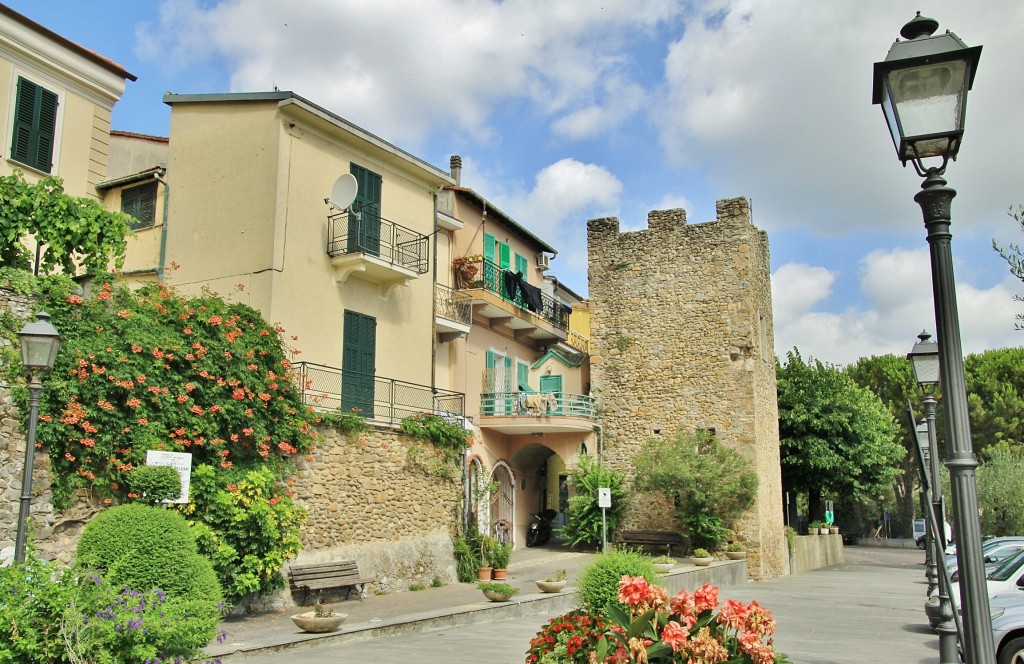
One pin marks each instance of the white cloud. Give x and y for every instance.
(896, 285)
(409, 67)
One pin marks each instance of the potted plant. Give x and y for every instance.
(735, 551)
(664, 564)
(487, 543)
(833, 529)
(467, 271)
(321, 619)
(553, 583)
(702, 557)
(498, 592)
(500, 554)
(814, 527)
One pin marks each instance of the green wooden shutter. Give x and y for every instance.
(140, 202)
(522, 265)
(522, 375)
(35, 124)
(358, 362)
(553, 383)
(504, 256)
(492, 279)
(364, 231)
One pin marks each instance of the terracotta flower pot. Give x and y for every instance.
(484, 573)
(499, 573)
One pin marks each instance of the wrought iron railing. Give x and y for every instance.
(367, 232)
(452, 305)
(375, 397)
(564, 404)
(481, 273)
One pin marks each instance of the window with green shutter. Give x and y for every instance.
(140, 202)
(35, 124)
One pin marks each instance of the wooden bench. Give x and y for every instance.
(320, 576)
(658, 538)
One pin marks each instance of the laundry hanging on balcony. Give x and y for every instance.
(514, 283)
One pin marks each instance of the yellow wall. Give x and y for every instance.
(248, 218)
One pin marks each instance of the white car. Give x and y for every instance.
(1007, 578)
(995, 550)
(1008, 627)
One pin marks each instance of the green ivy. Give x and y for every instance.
(451, 439)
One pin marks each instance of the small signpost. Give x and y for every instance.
(604, 501)
(179, 461)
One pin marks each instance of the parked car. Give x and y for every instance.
(1008, 626)
(950, 547)
(995, 550)
(1007, 578)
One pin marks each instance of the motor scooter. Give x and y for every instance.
(540, 528)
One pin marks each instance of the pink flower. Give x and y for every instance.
(633, 590)
(733, 614)
(706, 598)
(674, 635)
(760, 620)
(683, 606)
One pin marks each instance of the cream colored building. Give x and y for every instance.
(241, 208)
(56, 99)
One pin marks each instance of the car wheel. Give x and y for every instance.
(1012, 652)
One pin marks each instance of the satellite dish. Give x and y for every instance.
(343, 193)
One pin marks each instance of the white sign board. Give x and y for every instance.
(180, 461)
(604, 497)
(918, 527)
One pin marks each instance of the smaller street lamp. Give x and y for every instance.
(40, 342)
(924, 360)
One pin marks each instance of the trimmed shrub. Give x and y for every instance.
(153, 484)
(142, 548)
(598, 582)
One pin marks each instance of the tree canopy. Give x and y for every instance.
(835, 437)
(72, 232)
(995, 398)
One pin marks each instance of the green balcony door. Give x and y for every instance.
(553, 383)
(358, 363)
(499, 384)
(364, 227)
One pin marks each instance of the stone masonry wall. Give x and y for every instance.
(369, 502)
(681, 337)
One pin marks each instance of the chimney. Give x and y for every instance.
(456, 168)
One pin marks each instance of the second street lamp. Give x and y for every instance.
(922, 87)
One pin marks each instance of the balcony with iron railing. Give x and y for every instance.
(364, 244)
(377, 398)
(453, 312)
(578, 341)
(536, 412)
(499, 296)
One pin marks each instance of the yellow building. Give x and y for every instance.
(56, 99)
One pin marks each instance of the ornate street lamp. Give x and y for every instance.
(922, 87)
(40, 342)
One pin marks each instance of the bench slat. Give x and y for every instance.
(318, 576)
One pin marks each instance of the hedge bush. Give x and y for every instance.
(154, 484)
(142, 548)
(598, 582)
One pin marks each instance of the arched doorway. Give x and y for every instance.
(502, 506)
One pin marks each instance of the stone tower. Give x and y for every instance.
(681, 337)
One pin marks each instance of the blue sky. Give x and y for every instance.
(567, 111)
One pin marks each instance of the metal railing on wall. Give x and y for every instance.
(369, 233)
(452, 305)
(376, 397)
(564, 404)
(482, 273)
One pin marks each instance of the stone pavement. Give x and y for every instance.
(868, 609)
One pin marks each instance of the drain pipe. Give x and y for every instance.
(158, 176)
(600, 442)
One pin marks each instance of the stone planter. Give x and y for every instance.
(702, 562)
(495, 596)
(736, 555)
(663, 568)
(309, 622)
(550, 586)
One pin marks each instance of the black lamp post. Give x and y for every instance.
(922, 87)
(40, 342)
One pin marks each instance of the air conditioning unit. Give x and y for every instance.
(543, 261)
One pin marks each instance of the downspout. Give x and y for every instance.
(163, 231)
(600, 442)
(433, 306)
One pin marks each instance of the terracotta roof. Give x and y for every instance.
(95, 57)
